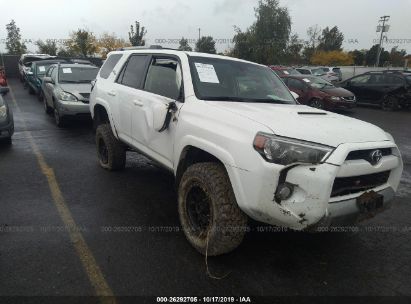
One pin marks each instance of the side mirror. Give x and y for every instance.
(295, 95)
(48, 80)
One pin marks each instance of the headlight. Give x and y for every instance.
(286, 151)
(3, 112)
(64, 96)
(335, 98)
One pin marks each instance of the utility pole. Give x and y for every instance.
(199, 34)
(383, 19)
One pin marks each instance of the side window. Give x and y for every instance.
(296, 84)
(164, 78)
(132, 74)
(109, 65)
(360, 79)
(376, 79)
(394, 80)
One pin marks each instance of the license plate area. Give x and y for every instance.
(370, 203)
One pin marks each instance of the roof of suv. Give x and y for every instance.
(177, 52)
(77, 65)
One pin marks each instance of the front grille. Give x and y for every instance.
(365, 154)
(355, 184)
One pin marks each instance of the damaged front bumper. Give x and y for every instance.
(323, 194)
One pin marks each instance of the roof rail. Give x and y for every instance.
(152, 47)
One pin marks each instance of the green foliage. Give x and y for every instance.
(371, 56)
(331, 39)
(184, 46)
(14, 45)
(48, 47)
(293, 51)
(206, 45)
(267, 39)
(397, 57)
(136, 35)
(358, 56)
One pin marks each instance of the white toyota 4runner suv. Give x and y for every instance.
(239, 145)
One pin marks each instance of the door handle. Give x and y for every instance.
(112, 93)
(138, 103)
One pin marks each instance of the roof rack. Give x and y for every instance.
(152, 47)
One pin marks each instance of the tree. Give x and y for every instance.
(397, 57)
(332, 58)
(184, 46)
(266, 40)
(314, 36)
(293, 51)
(371, 56)
(331, 39)
(358, 56)
(82, 43)
(136, 35)
(14, 45)
(48, 47)
(108, 43)
(206, 45)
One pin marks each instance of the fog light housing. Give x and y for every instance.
(284, 191)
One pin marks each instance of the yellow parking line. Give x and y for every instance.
(93, 271)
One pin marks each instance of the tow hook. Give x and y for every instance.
(171, 109)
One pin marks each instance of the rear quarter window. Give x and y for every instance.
(109, 65)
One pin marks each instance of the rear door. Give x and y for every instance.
(126, 91)
(48, 87)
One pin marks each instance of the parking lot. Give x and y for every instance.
(70, 228)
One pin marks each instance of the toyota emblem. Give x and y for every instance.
(375, 157)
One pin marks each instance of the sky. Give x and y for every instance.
(167, 21)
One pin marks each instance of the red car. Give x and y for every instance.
(3, 82)
(281, 70)
(319, 93)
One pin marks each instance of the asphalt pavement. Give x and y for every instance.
(126, 240)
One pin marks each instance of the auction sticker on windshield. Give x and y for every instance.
(206, 73)
(67, 70)
(306, 80)
(42, 68)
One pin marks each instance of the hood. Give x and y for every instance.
(80, 90)
(306, 123)
(339, 92)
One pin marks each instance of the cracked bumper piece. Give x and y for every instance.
(319, 196)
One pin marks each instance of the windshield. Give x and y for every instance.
(318, 83)
(318, 71)
(229, 80)
(77, 74)
(41, 69)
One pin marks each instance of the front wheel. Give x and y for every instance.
(209, 215)
(317, 103)
(58, 118)
(111, 152)
(390, 103)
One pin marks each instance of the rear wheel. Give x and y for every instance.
(40, 96)
(316, 103)
(31, 91)
(390, 103)
(209, 215)
(111, 152)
